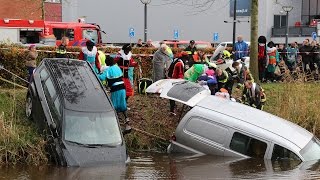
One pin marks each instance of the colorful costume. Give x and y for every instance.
(272, 60)
(92, 57)
(125, 61)
(194, 72)
(118, 94)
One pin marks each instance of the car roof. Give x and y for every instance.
(276, 125)
(78, 85)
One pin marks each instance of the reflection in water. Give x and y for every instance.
(162, 166)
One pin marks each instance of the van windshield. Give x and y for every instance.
(92, 128)
(312, 150)
(91, 34)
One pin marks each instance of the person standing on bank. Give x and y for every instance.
(113, 75)
(191, 50)
(62, 48)
(31, 62)
(241, 48)
(161, 63)
(125, 61)
(90, 54)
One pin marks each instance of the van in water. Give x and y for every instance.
(216, 126)
(72, 110)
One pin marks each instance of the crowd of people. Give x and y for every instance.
(194, 65)
(116, 71)
(274, 61)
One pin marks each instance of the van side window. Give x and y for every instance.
(280, 152)
(43, 74)
(60, 32)
(247, 145)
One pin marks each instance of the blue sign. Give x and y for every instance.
(131, 32)
(175, 34)
(314, 35)
(243, 7)
(215, 36)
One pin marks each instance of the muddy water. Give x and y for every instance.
(162, 166)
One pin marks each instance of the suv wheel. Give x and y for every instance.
(29, 107)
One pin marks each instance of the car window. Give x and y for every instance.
(202, 46)
(43, 74)
(312, 150)
(50, 87)
(247, 145)
(60, 32)
(229, 45)
(280, 153)
(52, 99)
(91, 128)
(182, 46)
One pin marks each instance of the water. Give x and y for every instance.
(162, 166)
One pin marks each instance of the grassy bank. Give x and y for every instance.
(19, 142)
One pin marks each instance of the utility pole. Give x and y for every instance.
(234, 29)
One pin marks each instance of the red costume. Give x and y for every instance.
(178, 70)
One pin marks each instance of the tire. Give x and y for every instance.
(29, 107)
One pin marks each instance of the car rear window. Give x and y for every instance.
(185, 90)
(312, 150)
(247, 145)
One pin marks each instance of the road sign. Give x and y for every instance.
(175, 34)
(131, 32)
(314, 35)
(215, 36)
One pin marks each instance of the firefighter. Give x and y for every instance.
(254, 95)
(225, 80)
(61, 51)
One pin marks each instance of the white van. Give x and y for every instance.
(217, 126)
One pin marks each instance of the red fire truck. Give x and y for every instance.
(48, 32)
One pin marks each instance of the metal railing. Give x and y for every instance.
(303, 31)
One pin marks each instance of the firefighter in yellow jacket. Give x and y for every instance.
(254, 95)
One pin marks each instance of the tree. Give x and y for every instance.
(254, 40)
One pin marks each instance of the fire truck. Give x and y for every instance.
(47, 32)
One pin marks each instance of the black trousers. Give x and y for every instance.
(172, 105)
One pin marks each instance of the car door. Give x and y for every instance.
(180, 90)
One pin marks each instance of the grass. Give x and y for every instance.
(19, 140)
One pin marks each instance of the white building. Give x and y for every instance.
(117, 16)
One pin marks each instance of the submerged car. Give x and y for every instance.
(217, 126)
(69, 105)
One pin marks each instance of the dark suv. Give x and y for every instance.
(71, 108)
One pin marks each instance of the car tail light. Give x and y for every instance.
(173, 138)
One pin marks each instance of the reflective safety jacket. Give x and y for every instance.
(61, 51)
(223, 78)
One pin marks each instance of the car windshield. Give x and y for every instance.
(91, 34)
(312, 150)
(92, 128)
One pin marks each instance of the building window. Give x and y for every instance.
(248, 146)
(310, 11)
(280, 21)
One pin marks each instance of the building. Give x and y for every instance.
(200, 23)
(31, 9)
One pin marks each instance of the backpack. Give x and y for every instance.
(143, 84)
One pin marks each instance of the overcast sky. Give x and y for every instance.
(117, 16)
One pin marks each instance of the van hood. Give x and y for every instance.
(81, 156)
